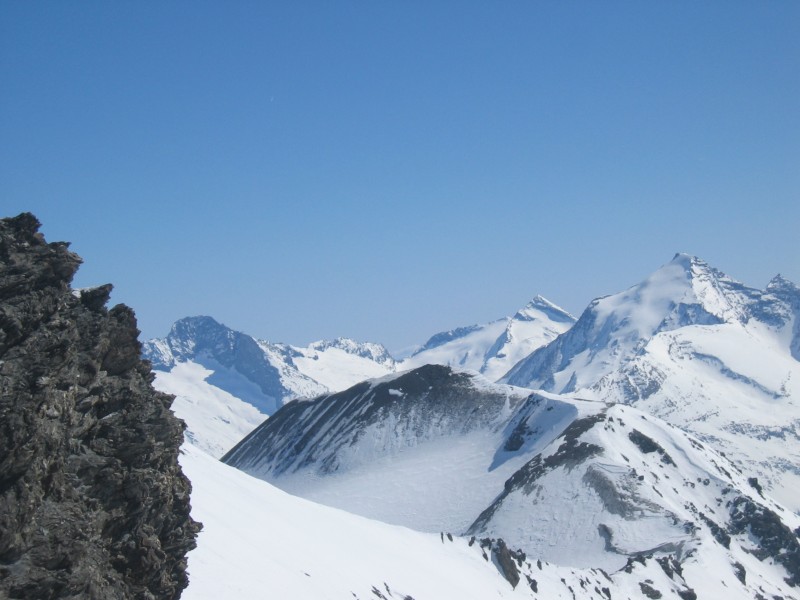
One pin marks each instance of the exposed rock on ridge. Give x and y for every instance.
(93, 503)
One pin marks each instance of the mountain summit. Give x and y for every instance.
(228, 382)
(698, 349)
(493, 348)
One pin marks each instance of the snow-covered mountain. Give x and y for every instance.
(700, 350)
(582, 484)
(362, 437)
(227, 382)
(581, 489)
(259, 542)
(492, 349)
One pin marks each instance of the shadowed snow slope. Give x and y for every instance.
(700, 350)
(216, 419)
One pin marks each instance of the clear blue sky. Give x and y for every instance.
(387, 170)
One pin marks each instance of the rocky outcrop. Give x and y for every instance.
(93, 503)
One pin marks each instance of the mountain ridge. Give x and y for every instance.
(699, 349)
(216, 372)
(495, 347)
(573, 482)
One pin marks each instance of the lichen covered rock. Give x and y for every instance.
(93, 503)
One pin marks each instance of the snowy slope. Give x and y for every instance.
(341, 363)
(618, 484)
(227, 382)
(576, 483)
(259, 542)
(700, 350)
(215, 419)
(371, 449)
(492, 349)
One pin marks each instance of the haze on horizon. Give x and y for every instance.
(387, 171)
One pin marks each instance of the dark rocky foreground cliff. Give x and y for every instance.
(93, 503)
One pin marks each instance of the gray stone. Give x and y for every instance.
(93, 503)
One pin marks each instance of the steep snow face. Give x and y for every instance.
(577, 483)
(259, 542)
(696, 348)
(216, 372)
(492, 349)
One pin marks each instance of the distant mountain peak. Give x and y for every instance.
(693, 265)
(370, 350)
(779, 285)
(192, 325)
(227, 376)
(685, 283)
(683, 292)
(539, 304)
(538, 299)
(691, 262)
(198, 320)
(685, 258)
(493, 348)
(682, 258)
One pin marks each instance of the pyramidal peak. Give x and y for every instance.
(538, 305)
(693, 264)
(700, 274)
(779, 285)
(539, 300)
(693, 267)
(687, 260)
(686, 291)
(685, 283)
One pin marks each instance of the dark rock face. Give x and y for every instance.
(647, 445)
(93, 503)
(775, 539)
